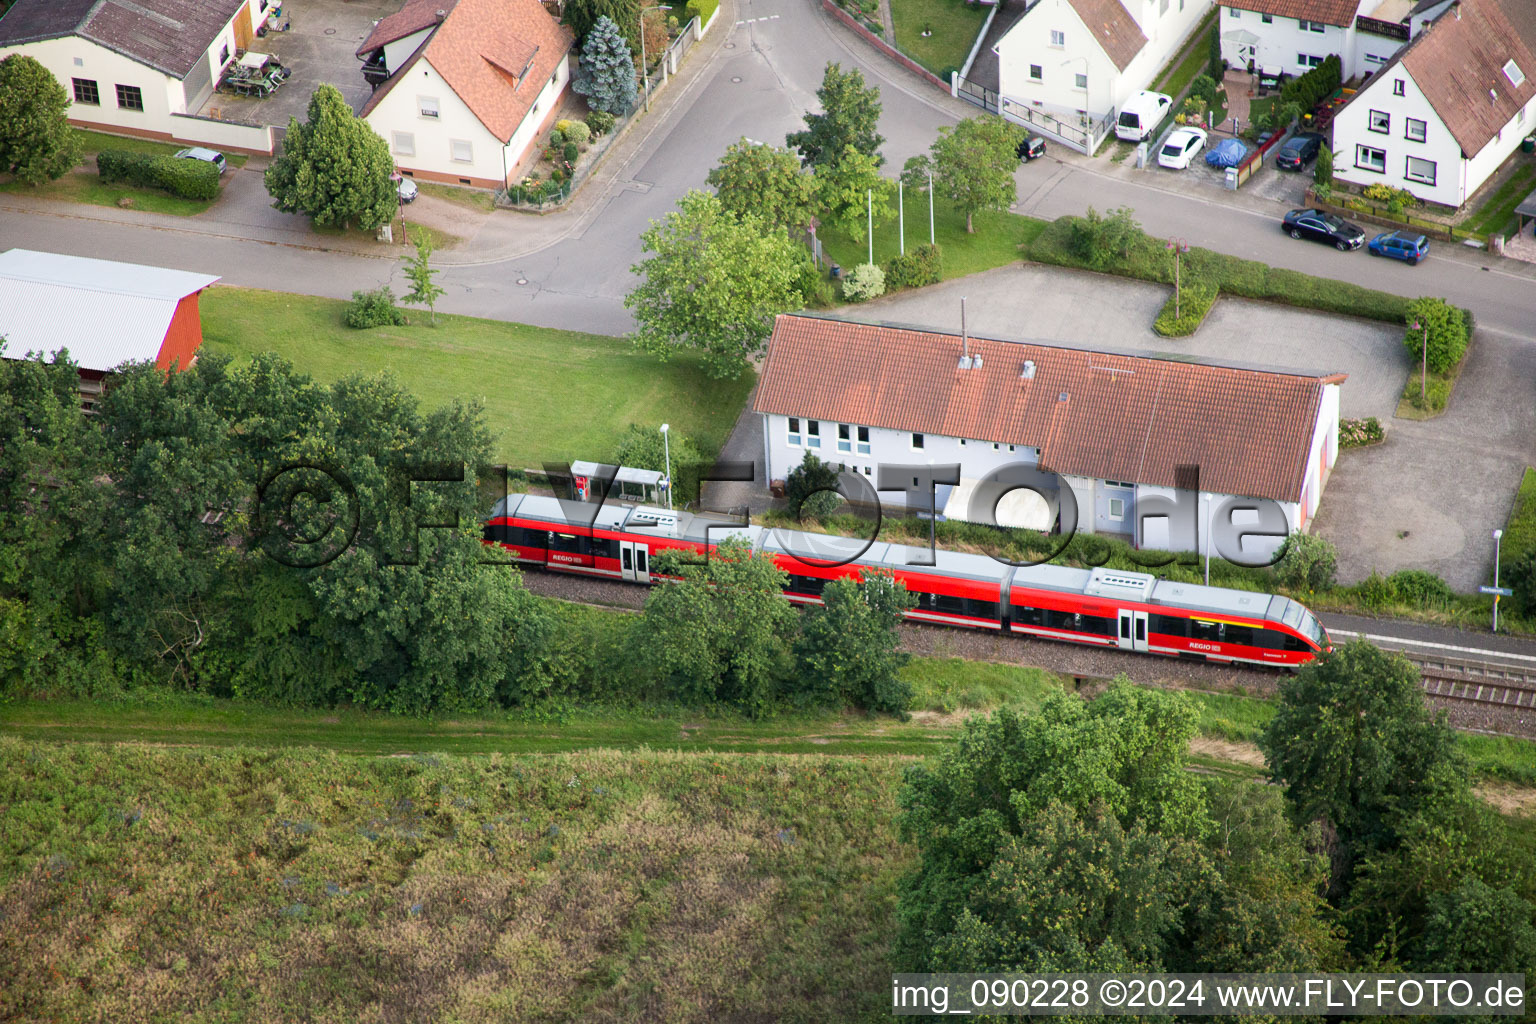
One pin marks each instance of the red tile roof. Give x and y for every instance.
(1092, 414)
(408, 20)
(1329, 12)
(495, 55)
(1458, 63)
(1114, 28)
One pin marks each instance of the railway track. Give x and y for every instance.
(1480, 682)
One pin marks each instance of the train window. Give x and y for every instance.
(1125, 628)
(1168, 625)
(1240, 635)
(1028, 616)
(1203, 629)
(1296, 643)
(568, 543)
(605, 547)
(806, 584)
(515, 536)
(1141, 630)
(1078, 623)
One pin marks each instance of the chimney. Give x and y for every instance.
(441, 14)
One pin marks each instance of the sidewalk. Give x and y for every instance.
(505, 234)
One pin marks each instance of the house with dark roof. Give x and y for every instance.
(1115, 429)
(463, 88)
(1078, 61)
(1449, 108)
(103, 312)
(136, 67)
(1291, 37)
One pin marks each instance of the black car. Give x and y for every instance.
(1323, 227)
(1032, 148)
(1299, 150)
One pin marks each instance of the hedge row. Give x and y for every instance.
(1181, 318)
(189, 179)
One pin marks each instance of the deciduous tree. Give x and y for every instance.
(424, 290)
(36, 143)
(1447, 339)
(850, 116)
(974, 162)
(762, 181)
(849, 187)
(334, 167)
(847, 653)
(605, 73)
(714, 283)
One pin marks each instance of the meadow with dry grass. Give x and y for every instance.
(147, 883)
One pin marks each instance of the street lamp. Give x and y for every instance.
(1210, 512)
(1179, 246)
(666, 442)
(645, 70)
(1496, 535)
(1087, 98)
(1424, 368)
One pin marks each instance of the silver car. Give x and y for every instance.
(210, 156)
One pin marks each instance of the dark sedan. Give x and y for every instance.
(1298, 151)
(1323, 227)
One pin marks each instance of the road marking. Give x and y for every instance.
(1426, 643)
(766, 17)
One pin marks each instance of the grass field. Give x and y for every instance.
(548, 394)
(996, 243)
(144, 883)
(474, 198)
(953, 25)
(92, 143)
(1497, 214)
(1520, 531)
(1189, 62)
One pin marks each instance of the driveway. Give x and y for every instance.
(1428, 498)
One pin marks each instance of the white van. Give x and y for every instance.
(1142, 113)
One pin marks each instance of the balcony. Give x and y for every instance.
(1377, 27)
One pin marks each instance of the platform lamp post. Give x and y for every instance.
(1179, 247)
(1424, 367)
(645, 70)
(1497, 534)
(666, 443)
(1209, 503)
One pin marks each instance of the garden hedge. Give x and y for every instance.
(189, 179)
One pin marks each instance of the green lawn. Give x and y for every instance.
(1497, 215)
(92, 143)
(1520, 531)
(87, 187)
(1191, 61)
(997, 240)
(548, 394)
(474, 198)
(954, 25)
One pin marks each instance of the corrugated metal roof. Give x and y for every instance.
(104, 313)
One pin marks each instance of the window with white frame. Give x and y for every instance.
(1233, 12)
(1420, 170)
(1381, 122)
(1414, 130)
(962, 442)
(813, 433)
(1268, 19)
(863, 440)
(460, 150)
(1082, 81)
(1312, 26)
(404, 143)
(1369, 158)
(1309, 60)
(427, 105)
(844, 437)
(917, 442)
(1058, 38)
(1036, 73)
(1117, 508)
(794, 431)
(1397, 87)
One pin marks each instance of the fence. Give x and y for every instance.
(1082, 133)
(549, 195)
(980, 95)
(1362, 209)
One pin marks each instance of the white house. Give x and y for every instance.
(139, 67)
(1071, 60)
(1117, 431)
(1293, 36)
(462, 88)
(1452, 107)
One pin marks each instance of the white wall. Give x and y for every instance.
(162, 93)
(1281, 41)
(400, 111)
(1351, 129)
(207, 131)
(1368, 53)
(399, 51)
(1498, 149)
(527, 132)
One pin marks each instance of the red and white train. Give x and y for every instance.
(1101, 607)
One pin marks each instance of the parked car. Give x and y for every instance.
(1400, 245)
(1321, 226)
(1180, 148)
(1299, 150)
(208, 155)
(407, 187)
(1141, 113)
(1032, 148)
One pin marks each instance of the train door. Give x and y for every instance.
(1133, 630)
(635, 561)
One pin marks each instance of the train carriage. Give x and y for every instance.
(1100, 607)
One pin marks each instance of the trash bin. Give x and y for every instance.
(1232, 179)
(837, 272)
(1528, 144)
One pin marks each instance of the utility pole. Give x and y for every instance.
(869, 199)
(930, 206)
(901, 214)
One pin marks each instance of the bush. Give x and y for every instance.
(1374, 591)
(1519, 574)
(577, 132)
(563, 126)
(116, 165)
(556, 138)
(1204, 87)
(1447, 333)
(600, 122)
(1322, 171)
(811, 488)
(919, 266)
(1215, 67)
(572, 153)
(373, 309)
(1097, 239)
(701, 9)
(1416, 587)
(1307, 562)
(864, 282)
(1315, 86)
(189, 179)
(1360, 433)
(1194, 302)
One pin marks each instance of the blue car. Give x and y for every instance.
(1400, 245)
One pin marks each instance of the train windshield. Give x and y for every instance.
(1311, 629)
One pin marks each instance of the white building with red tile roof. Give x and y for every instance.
(463, 88)
(1117, 429)
(1291, 37)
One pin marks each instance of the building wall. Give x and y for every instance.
(1282, 41)
(1369, 53)
(432, 137)
(163, 95)
(1351, 130)
(399, 51)
(543, 109)
(183, 336)
(1498, 149)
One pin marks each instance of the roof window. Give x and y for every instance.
(1513, 73)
